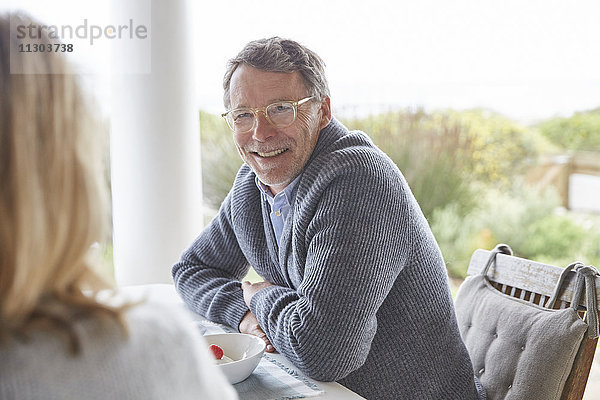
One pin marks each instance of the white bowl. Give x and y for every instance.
(245, 350)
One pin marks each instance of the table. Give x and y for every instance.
(165, 293)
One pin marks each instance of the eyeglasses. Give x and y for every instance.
(281, 115)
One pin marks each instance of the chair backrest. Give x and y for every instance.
(535, 282)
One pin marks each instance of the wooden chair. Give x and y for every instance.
(535, 282)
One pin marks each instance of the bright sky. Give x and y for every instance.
(527, 59)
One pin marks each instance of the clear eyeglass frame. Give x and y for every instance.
(229, 115)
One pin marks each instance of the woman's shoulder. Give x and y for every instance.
(159, 355)
(155, 335)
(170, 320)
(163, 339)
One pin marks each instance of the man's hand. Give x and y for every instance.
(250, 326)
(250, 289)
(250, 323)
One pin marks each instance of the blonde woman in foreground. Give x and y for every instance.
(57, 340)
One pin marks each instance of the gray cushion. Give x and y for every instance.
(519, 350)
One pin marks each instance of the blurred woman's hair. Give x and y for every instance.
(52, 198)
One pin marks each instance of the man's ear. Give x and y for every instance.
(325, 109)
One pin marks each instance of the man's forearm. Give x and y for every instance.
(210, 292)
(325, 350)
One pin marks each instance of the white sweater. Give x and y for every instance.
(164, 357)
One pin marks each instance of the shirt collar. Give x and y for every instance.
(288, 192)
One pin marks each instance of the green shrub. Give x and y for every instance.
(554, 237)
(525, 218)
(581, 131)
(499, 148)
(220, 159)
(455, 234)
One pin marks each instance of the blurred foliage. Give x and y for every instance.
(528, 220)
(500, 148)
(581, 131)
(444, 154)
(431, 152)
(465, 169)
(554, 236)
(220, 160)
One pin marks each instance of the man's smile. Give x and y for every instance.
(270, 153)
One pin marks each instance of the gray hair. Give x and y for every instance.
(280, 55)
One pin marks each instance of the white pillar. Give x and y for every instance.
(155, 147)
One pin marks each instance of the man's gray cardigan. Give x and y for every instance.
(362, 293)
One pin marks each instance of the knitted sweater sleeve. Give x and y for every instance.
(356, 243)
(208, 275)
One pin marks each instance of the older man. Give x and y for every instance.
(355, 288)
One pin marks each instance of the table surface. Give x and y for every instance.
(165, 293)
